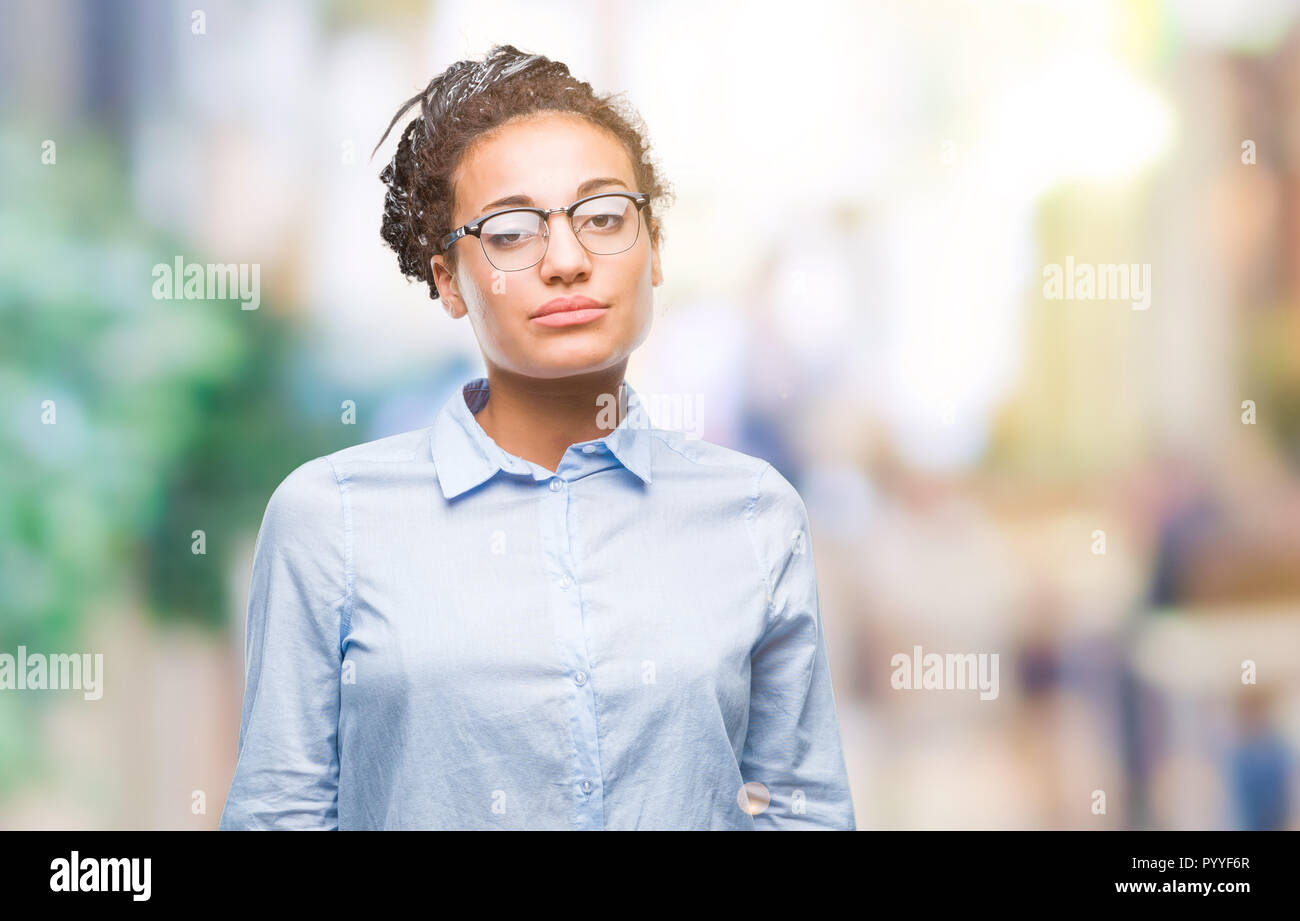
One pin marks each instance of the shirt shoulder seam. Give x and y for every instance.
(753, 543)
(345, 508)
(750, 503)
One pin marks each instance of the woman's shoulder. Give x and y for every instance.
(703, 453)
(305, 500)
(404, 446)
(754, 480)
(761, 477)
(317, 483)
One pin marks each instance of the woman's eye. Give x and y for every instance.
(506, 240)
(603, 222)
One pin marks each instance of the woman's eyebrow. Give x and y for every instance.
(583, 190)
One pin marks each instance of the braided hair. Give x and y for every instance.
(471, 99)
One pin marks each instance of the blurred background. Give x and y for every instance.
(869, 199)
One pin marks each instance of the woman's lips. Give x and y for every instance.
(570, 317)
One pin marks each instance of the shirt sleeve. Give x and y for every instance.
(286, 776)
(793, 745)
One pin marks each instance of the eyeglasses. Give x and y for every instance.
(517, 238)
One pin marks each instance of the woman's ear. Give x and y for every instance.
(656, 268)
(448, 291)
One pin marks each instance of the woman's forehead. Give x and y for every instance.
(544, 159)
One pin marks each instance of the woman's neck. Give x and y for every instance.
(539, 419)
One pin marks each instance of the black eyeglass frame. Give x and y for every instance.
(474, 228)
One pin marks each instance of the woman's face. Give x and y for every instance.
(548, 158)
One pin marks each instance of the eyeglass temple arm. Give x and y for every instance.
(445, 243)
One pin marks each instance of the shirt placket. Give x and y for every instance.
(566, 601)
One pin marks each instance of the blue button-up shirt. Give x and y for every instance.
(443, 635)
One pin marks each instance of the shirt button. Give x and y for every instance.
(588, 449)
(580, 677)
(586, 786)
(565, 581)
(555, 485)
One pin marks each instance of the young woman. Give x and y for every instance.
(539, 612)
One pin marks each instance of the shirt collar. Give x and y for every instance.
(466, 456)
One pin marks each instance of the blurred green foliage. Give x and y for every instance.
(169, 416)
